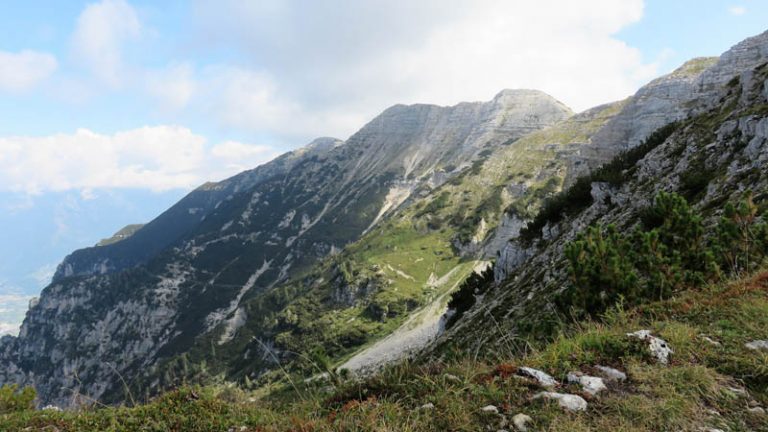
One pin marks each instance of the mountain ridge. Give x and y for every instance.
(326, 250)
(235, 239)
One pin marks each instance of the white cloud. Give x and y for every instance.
(13, 298)
(324, 67)
(87, 194)
(236, 156)
(173, 86)
(253, 100)
(44, 274)
(23, 70)
(236, 150)
(241, 97)
(737, 10)
(12, 309)
(9, 329)
(156, 158)
(102, 30)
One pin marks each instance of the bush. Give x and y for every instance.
(601, 271)
(434, 206)
(665, 254)
(13, 400)
(694, 181)
(742, 238)
(464, 298)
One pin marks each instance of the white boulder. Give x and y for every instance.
(568, 402)
(757, 345)
(521, 422)
(589, 384)
(611, 374)
(491, 409)
(659, 347)
(542, 378)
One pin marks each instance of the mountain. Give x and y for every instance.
(145, 243)
(629, 291)
(347, 253)
(120, 309)
(711, 151)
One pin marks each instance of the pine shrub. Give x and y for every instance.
(464, 298)
(665, 254)
(13, 399)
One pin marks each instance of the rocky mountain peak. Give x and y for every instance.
(529, 97)
(414, 140)
(744, 56)
(694, 67)
(664, 100)
(321, 144)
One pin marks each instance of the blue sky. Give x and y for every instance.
(114, 109)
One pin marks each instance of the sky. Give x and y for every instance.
(114, 109)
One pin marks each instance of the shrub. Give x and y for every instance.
(464, 298)
(437, 204)
(600, 269)
(695, 180)
(741, 238)
(666, 253)
(13, 400)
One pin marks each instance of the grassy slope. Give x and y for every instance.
(705, 385)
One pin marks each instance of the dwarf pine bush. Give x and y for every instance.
(465, 297)
(13, 399)
(669, 251)
(742, 241)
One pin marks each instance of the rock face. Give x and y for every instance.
(744, 56)
(421, 138)
(694, 87)
(685, 91)
(723, 133)
(126, 307)
(654, 105)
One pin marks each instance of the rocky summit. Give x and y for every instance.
(483, 266)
